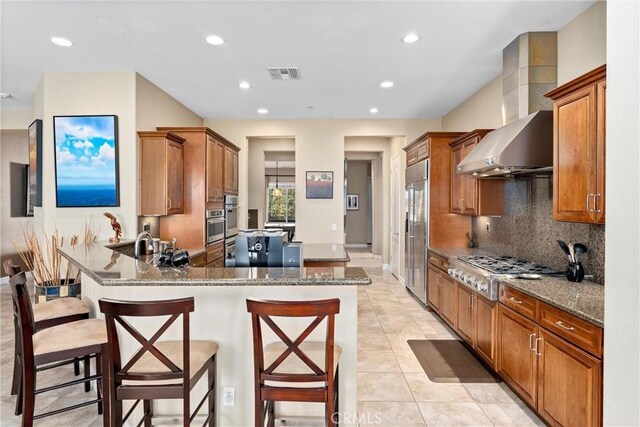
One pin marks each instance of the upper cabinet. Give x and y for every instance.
(215, 170)
(161, 173)
(231, 169)
(470, 196)
(579, 111)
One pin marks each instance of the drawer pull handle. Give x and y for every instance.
(531, 342)
(537, 348)
(517, 301)
(562, 325)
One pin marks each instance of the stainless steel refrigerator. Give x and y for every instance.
(416, 229)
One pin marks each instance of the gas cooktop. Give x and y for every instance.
(509, 265)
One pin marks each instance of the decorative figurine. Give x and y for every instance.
(116, 227)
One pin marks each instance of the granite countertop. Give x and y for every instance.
(112, 268)
(584, 300)
(324, 252)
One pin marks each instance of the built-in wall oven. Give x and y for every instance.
(230, 216)
(231, 229)
(214, 226)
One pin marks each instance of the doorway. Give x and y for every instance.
(359, 204)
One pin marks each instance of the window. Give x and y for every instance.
(281, 204)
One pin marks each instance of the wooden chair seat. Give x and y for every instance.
(59, 307)
(73, 335)
(201, 352)
(294, 365)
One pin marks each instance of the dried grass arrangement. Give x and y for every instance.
(48, 266)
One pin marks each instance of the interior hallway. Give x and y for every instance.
(393, 389)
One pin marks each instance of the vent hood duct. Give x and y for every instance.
(525, 144)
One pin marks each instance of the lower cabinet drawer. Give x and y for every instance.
(214, 252)
(577, 331)
(519, 302)
(198, 261)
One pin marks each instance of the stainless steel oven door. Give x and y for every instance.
(230, 252)
(231, 220)
(215, 229)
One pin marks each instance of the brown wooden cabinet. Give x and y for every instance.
(476, 323)
(161, 173)
(517, 361)
(215, 255)
(433, 288)
(569, 383)
(204, 155)
(579, 114)
(465, 323)
(559, 379)
(215, 170)
(230, 170)
(470, 196)
(198, 260)
(448, 299)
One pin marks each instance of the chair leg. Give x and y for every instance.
(105, 387)
(16, 361)
(148, 412)
(76, 366)
(117, 412)
(186, 408)
(87, 373)
(213, 394)
(271, 411)
(20, 392)
(28, 385)
(258, 408)
(99, 393)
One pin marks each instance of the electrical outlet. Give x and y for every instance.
(146, 227)
(334, 227)
(229, 396)
(488, 227)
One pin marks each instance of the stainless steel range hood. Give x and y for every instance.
(525, 144)
(521, 147)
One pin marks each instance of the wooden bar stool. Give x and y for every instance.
(293, 367)
(160, 369)
(45, 315)
(53, 347)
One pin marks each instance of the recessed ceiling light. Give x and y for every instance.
(215, 40)
(373, 110)
(4, 95)
(410, 38)
(244, 85)
(386, 84)
(262, 111)
(61, 41)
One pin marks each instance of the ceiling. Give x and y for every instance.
(343, 49)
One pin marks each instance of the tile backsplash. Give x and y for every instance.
(527, 229)
(154, 223)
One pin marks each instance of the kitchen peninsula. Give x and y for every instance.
(221, 315)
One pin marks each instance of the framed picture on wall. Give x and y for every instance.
(352, 202)
(34, 192)
(319, 184)
(86, 161)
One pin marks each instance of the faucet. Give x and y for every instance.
(137, 244)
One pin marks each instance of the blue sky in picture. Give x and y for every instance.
(85, 161)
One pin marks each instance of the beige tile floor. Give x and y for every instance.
(393, 390)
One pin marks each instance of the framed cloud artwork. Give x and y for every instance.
(86, 161)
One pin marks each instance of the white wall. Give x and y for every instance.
(15, 119)
(155, 108)
(89, 93)
(582, 43)
(622, 271)
(319, 146)
(482, 110)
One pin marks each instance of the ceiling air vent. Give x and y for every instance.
(284, 73)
